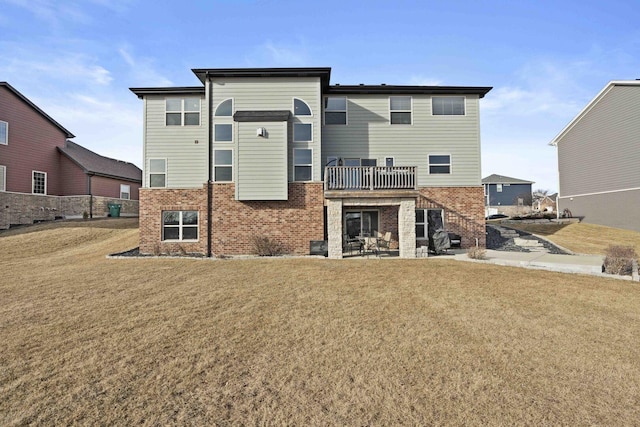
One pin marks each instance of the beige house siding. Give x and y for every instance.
(600, 151)
(369, 134)
(184, 147)
(269, 94)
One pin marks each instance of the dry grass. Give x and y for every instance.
(90, 340)
(583, 238)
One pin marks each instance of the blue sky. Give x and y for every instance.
(545, 59)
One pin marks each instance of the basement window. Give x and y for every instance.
(179, 225)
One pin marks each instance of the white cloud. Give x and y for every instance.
(142, 70)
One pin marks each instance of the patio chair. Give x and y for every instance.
(371, 245)
(384, 241)
(348, 245)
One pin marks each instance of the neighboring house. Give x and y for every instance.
(43, 176)
(279, 153)
(599, 159)
(85, 172)
(506, 195)
(545, 202)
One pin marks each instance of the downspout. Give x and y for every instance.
(90, 196)
(210, 165)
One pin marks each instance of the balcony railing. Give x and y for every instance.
(352, 178)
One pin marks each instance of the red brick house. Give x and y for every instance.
(44, 176)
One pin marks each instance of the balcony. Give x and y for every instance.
(369, 178)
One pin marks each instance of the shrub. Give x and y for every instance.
(266, 246)
(619, 260)
(477, 253)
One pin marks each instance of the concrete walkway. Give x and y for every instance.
(585, 264)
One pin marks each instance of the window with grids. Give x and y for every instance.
(302, 160)
(39, 182)
(157, 172)
(4, 133)
(448, 105)
(182, 111)
(179, 225)
(335, 110)
(440, 164)
(400, 110)
(223, 165)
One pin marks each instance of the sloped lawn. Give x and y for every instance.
(89, 340)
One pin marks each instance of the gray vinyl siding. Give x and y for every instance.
(261, 162)
(186, 159)
(600, 152)
(617, 209)
(255, 94)
(369, 134)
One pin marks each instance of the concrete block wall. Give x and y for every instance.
(21, 208)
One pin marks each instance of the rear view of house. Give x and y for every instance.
(279, 153)
(599, 159)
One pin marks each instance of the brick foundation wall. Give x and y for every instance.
(20, 208)
(291, 223)
(463, 211)
(153, 202)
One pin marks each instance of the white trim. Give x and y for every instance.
(6, 133)
(439, 164)
(3, 175)
(222, 165)
(33, 177)
(128, 192)
(301, 164)
(590, 105)
(220, 141)
(401, 111)
(166, 175)
(294, 132)
(345, 111)
(180, 226)
(232, 107)
(464, 100)
(600, 192)
(293, 107)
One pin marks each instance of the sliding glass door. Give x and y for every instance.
(361, 223)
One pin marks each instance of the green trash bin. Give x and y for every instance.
(114, 210)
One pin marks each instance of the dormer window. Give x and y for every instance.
(301, 108)
(225, 108)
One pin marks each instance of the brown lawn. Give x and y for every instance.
(582, 238)
(89, 340)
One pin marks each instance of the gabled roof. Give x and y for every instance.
(501, 179)
(95, 164)
(591, 104)
(37, 109)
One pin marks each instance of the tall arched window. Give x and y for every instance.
(225, 108)
(300, 108)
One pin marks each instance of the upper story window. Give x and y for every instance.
(39, 182)
(182, 111)
(400, 110)
(223, 132)
(4, 132)
(448, 105)
(223, 165)
(125, 191)
(302, 132)
(302, 164)
(335, 110)
(440, 164)
(157, 172)
(225, 108)
(300, 108)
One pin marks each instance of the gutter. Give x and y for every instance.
(209, 162)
